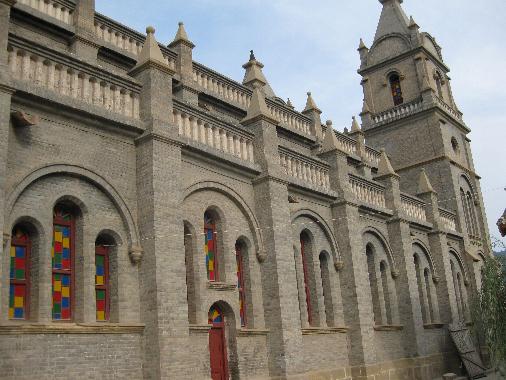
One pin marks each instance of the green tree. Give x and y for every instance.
(490, 310)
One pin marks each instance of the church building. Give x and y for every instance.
(163, 221)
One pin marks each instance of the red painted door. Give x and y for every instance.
(218, 353)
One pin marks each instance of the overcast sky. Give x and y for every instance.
(311, 45)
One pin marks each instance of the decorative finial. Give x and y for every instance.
(150, 30)
(361, 45)
(180, 23)
(328, 123)
(289, 103)
(309, 93)
(252, 56)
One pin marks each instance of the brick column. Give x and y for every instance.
(162, 273)
(279, 280)
(5, 111)
(355, 289)
(83, 43)
(440, 254)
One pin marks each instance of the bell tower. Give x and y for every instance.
(409, 111)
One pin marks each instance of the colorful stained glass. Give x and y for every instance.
(101, 283)
(19, 256)
(61, 296)
(210, 247)
(215, 315)
(240, 285)
(395, 85)
(61, 252)
(61, 265)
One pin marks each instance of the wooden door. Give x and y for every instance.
(218, 352)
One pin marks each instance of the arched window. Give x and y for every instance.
(431, 314)
(326, 287)
(241, 283)
(468, 208)
(62, 254)
(211, 247)
(439, 85)
(304, 247)
(459, 288)
(102, 292)
(371, 269)
(386, 292)
(19, 289)
(395, 86)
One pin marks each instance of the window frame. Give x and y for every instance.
(106, 286)
(307, 289)
(241, 285)
(16, 242)
(398, 99)
(58, 220)
(212, 227)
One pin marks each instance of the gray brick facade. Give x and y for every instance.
(357, 249)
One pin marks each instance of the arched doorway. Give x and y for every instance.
(217, 344)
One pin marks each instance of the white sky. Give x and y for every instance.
(311, 45)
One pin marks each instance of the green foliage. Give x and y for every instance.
(490, 310)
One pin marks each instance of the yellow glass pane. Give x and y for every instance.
(99, 280)
(65, 291)
(66, 243)
(18, 301)
(13, 251)
(11, 312)
(100, 315)
(57, 286)
(211, 265)
(58, 237)
(205, 249)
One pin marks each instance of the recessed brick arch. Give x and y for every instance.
(88, 175)
(239, 202)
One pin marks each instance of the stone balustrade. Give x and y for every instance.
(398, 112)
(449, 220)
(346, 143)
(117, 38)
(413, 207)
(73, 82)
(367, 192)
(218, 86)
(214, 136)
(290, 119)
(372, 156)
(59, 10)
(456, 114)
(313, 173)
(126, 40)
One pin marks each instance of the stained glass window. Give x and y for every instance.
(102, 282)
(61, 263)
(19, 275)
(240, 285)
(215, 315)
(395, 85)
(210, 247)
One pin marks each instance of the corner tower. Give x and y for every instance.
(409, 111)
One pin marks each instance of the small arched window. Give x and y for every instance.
(395, 86)
(210, 247)
(241, 283)
(304, 247)
(102, 293)
(19, 289)
(62, 254)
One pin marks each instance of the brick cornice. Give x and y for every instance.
(71, 328)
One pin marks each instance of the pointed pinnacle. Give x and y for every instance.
(361, 45)
(424, 185)
(150, 50)
(330, 141)
(355, 126)
(310, 103)
(365, 108)
(181, 36)
(289, 103)
(385, 167)
(412, 23)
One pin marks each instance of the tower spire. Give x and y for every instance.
(393, 19)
